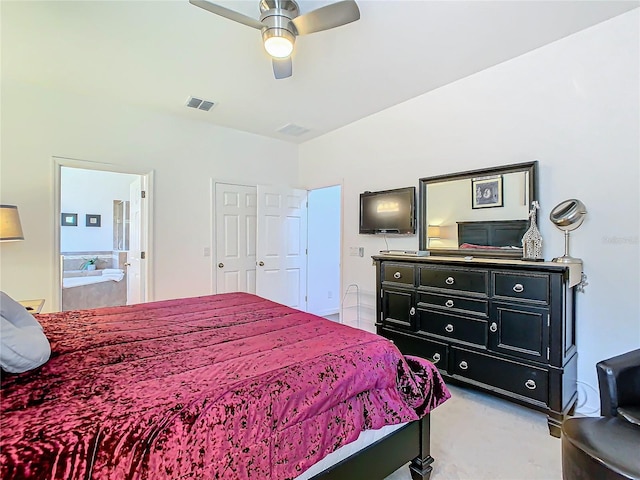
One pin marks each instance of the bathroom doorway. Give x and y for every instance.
(324, 237)
(102, 232)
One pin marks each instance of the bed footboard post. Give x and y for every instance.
(421, 465)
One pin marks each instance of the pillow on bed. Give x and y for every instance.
(23, 344)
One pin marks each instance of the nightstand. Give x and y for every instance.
(33, 306)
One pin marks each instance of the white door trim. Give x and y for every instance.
(147, 222)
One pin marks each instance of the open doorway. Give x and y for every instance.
(102, 229)
(323, 259)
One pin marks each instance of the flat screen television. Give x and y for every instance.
(388, 211)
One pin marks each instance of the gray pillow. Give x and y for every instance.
(23, 344)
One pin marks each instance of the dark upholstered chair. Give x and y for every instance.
(607, 447)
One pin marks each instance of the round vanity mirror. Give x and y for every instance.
(568, 216)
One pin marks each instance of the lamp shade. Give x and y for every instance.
(278, 42)
(10, 227)
(433, 231)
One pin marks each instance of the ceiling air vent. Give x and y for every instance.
(200, 104)
(293, 130)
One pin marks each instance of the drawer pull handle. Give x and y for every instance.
(449, 328)
(436, 357)
(518, 288)
(397, 275)
(412, 311)
(449, 281)
(448, 303)
(463, 365)
(493, 327)
(530, 384)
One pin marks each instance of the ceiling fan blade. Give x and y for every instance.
(227, 13)
(327, 17)
(282, 67)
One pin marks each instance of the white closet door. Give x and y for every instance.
(235, 234)
(282, 245)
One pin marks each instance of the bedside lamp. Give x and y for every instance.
(10, 227)
(433, 232)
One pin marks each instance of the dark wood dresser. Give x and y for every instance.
(504, 326)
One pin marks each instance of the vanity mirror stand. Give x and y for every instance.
(486, 318)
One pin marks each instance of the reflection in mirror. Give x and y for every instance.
(481, 212)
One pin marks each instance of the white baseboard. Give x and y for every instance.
(325, 312)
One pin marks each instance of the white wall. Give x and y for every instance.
(572, 105)
(38, 124)
(90, 192)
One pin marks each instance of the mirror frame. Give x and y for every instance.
(531, 167)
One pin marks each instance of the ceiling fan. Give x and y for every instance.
(280, 22)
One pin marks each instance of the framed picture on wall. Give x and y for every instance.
(69, 219)
(486, 192)
(93, 220)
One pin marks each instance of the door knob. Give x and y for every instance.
(221, 265)
(127, 264)
(261, 264)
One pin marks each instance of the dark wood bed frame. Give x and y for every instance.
(410, 443)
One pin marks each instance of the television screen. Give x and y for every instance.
(388, 211)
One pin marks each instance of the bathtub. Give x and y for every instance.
(96, 276)
(83, 289)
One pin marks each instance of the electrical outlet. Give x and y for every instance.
(329, 294)
(207, 251)
(356, 251)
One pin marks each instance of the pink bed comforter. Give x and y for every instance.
(228, 386)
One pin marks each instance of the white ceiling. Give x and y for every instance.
(156, 54)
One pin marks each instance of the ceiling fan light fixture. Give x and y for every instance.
(278, 42)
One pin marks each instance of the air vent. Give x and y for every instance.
(200, 104)
(293, 130)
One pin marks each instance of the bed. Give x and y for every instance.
(228, 386)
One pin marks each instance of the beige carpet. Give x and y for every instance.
(475, 436)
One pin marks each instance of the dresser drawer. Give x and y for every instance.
(527, 287)
(452, 302)
(453, 327)
(435, 352)
(468, 281)
(398, 273)
(525, 380)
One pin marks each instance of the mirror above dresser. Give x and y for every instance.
(479, 212)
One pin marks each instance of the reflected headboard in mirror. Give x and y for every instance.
(479, 212)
